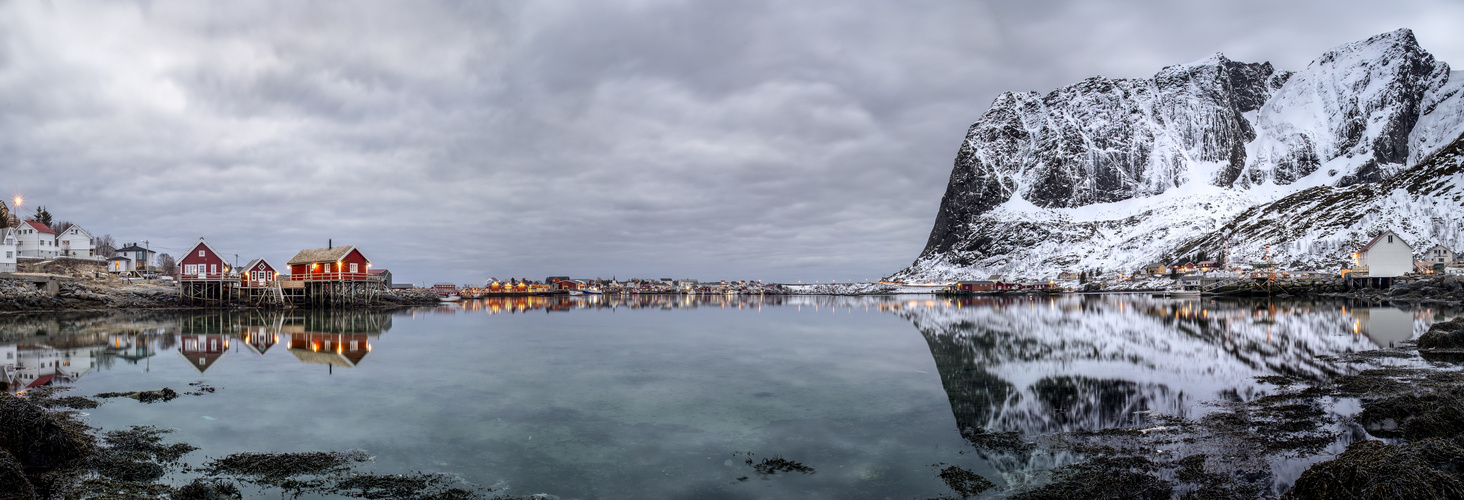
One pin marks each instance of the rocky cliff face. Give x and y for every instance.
(1151, 164)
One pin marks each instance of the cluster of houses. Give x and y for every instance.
(203, 263)
(1384, 257)
(1376, 264)
(31, 239)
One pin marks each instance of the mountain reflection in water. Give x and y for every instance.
(1088, 362)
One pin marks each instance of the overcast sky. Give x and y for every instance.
(454, 141)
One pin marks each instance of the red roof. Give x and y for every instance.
(40, 227)
(1379, 237)
(41, 381)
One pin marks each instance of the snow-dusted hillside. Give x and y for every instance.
(1321, 226)
(1116, 174)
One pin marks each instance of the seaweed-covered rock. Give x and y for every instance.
(1427, 469)
(40, 439)
(1103, 477)
(1415, 416)
(1445, 335)
(201, 489)
(13, 484)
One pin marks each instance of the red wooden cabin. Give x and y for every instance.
(344, 263)
(257, 273)
(202, 263)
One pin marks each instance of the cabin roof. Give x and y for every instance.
(313, 255)
(40, 227)
(133, 247)
(1380, 237)
(189, 254)
(254, 263)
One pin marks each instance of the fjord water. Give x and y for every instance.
(666, 396)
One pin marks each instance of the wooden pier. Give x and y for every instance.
(283, 293)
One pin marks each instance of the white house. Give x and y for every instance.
(142, 258)
(8, 250)
(1438, 254)
(1386, 256)
(121, 264)
(34, 239)
(73, 241)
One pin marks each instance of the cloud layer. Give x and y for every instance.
(453, 141)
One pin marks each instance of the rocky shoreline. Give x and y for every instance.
(111, 293)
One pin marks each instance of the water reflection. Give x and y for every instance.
(567, 390)
(1091, 362)
(37, 352)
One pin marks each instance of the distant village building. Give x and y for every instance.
(1386, 257)
(1439, 254)
(8, 250)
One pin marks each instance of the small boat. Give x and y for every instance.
(576, 292)
(593, 291)
(450, 298)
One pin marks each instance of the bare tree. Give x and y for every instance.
(106, 246)
(167, 265)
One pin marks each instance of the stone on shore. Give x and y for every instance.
(1445, 335)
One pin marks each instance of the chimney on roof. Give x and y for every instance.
(328, 244)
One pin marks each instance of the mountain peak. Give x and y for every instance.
(1116, 173)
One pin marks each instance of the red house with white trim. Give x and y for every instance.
(343, 263)
(202, 263)
(257, 273)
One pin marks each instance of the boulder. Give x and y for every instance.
(1445, 335)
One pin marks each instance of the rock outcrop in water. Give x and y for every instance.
(1118, 173)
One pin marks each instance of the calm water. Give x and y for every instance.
(655, 397)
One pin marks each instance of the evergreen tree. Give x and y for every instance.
(42, 216)
(4, 216)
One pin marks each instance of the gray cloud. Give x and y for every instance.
(461, 140)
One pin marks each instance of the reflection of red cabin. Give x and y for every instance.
(259, 338)
(335, 349)
(202, 263)
(257, 273)
(344, 263)
(202, 351)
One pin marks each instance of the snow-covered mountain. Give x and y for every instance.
(1116, 174)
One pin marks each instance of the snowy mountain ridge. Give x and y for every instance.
(1117, 174)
